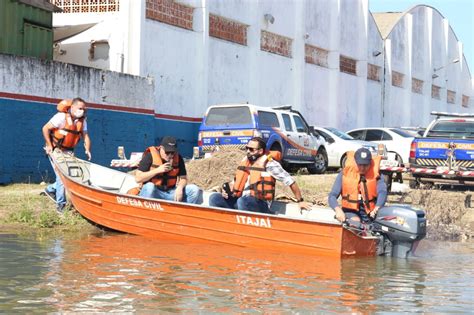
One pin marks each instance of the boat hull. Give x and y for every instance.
(158, 218)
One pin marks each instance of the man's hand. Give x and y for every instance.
(374, 212)
(178, 194)
(48, 149)
(305, 206)
(88, 153)
(340, 215)
(224, 194)
(166, 167)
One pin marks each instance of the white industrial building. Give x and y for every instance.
(335, 61)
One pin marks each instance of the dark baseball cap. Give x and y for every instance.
(169, 144)
(363, 156)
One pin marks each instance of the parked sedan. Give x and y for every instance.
(339, 143)
(396, 140)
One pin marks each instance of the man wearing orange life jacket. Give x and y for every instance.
(163, 174)
(62, 133)
(254, 183)
(362, 189)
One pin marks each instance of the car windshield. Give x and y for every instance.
(340, 134)
(453, 129)
(228, 116)
(401, 132)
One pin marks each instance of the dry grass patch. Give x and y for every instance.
(22, 204)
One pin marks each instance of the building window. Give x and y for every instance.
(416, 86)
(275, 44)
(170, 12)
(435, 92)
(228, 30)
(451, 97)
(373, 72)
(316, 56)
(99, 50)
(397, 79)
(465, 101)
(347, 65)
(86, 6)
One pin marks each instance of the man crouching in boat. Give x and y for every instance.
(163, 174)
(254, 184)
(362, 188)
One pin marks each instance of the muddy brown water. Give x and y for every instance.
(110, 272)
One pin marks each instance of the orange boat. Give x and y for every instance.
(99, 194)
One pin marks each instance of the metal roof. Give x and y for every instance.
(41, 4)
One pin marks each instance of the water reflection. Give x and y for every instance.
(123, 273)
(22, 264)
(128, 273)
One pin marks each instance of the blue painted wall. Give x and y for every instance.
(22, 158)
(185, 132)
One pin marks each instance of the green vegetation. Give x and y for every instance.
(22, 204)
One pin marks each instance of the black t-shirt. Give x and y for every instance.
(147, 160)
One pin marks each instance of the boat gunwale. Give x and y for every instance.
(178, 203)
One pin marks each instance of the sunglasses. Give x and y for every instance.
(251, 149)
(169, 153)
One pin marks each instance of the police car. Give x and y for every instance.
(284, 129)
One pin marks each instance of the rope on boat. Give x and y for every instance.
(363, 233)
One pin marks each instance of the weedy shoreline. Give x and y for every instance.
(449, 215)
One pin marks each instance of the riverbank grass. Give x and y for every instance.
(23, 204)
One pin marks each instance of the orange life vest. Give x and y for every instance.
(67, 137)
(163, 181)
(353, 187)
(262, 184)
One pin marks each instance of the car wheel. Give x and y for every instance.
(414, 183)
(320, 163)
(399, 160)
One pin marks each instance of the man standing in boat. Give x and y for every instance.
(254, 184)
(61, 135)
(362, 188)
(163, 174)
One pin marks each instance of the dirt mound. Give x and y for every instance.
(214, 171)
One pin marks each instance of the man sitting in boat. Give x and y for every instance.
(254, 183)
(163, 174)
(362, 188)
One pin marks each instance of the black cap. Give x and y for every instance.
(169, 144)
(363, 156)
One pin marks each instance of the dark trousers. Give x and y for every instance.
(247, 203)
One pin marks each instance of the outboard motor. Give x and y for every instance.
(402, 227)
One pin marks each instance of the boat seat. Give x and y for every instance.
(317, 213)
(105, 178)
(128, 183)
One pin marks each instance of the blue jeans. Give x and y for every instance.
(191, 193)
(361, 214)
(58, 188)
(247, 203)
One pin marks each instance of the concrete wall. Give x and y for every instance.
(193, 70)
(184, 70)
(119, 113)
